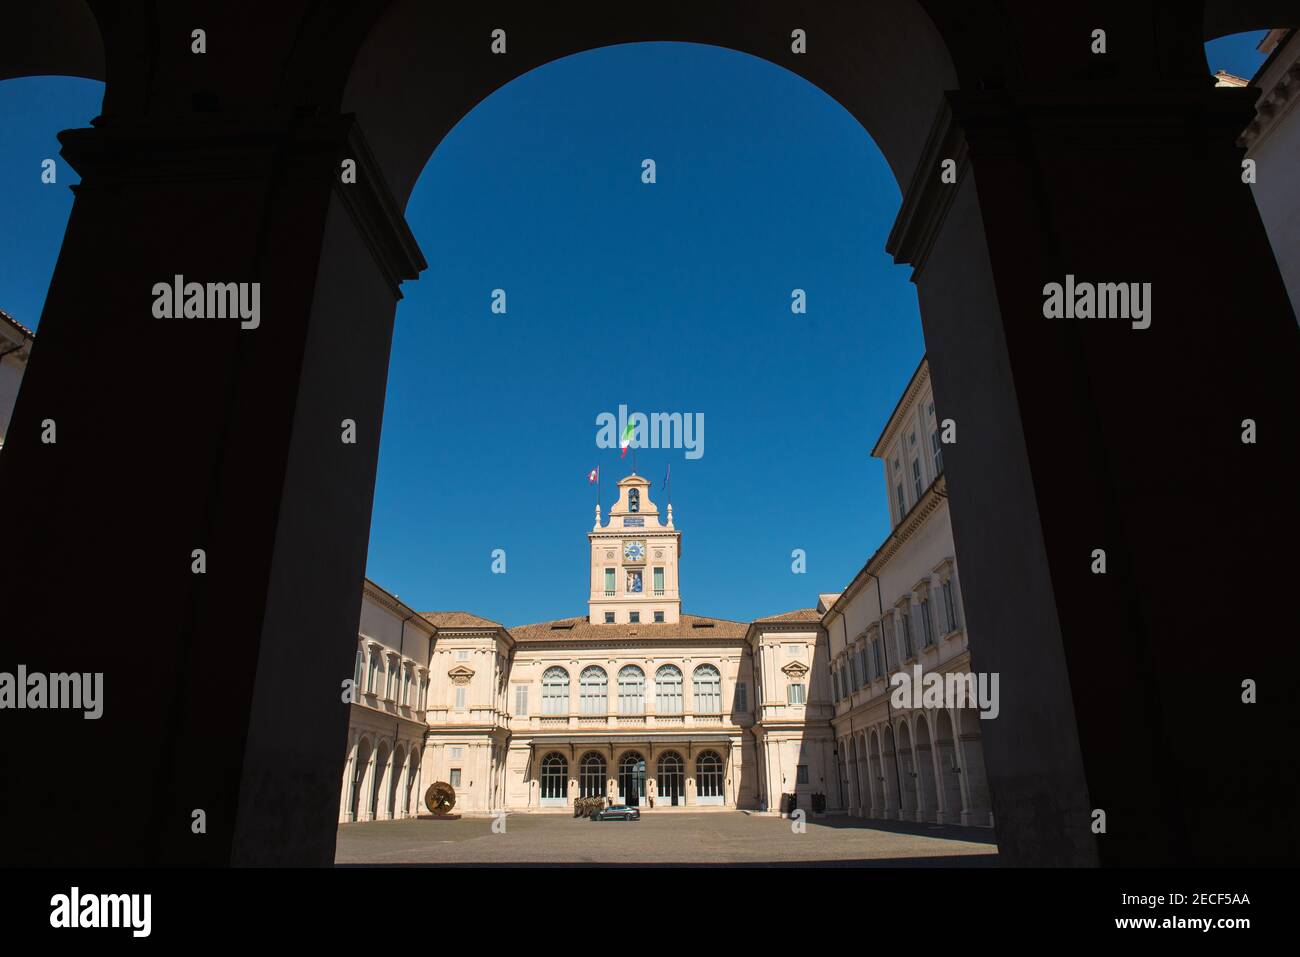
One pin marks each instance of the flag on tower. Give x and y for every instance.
(593, 476)
(625, 441)
(666, 476)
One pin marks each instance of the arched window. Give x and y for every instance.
(631, 690)
(708, 690)
(708, 778)
(668, 690)
(593, 685)
(555, 691)
(555, 777)
(670, 779)
(591, 775)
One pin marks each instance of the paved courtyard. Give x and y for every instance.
(665, 838)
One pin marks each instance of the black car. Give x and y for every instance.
(618, 812)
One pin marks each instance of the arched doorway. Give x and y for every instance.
(379, 781)
(907, 772)
(875, 773)
(950, 771)
(927, 797)
(631, 778)
(410, 807)
(670, 780)
(709, 778)
(554, 780)
(396, 781)
(359, 768)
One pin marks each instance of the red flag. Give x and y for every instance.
(593, 476)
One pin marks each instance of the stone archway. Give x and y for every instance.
(909, 808)
(1045, 408)
(927, 796)
(950, 771)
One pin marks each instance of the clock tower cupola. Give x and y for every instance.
(634, 561)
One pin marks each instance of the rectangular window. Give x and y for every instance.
(801, 774)
(634, 581)
(659, 616)
(902, 502)
(389, 681)
(742, 702)
(609, 618)
(455, 777)
(853, 672)
(424, 694)
(521, 700)
(634, 617)
(917, 485)
(456, 753)
(609, 582)
(880, 660)
(462, 654)
(406, 687)
(862, 665)
(906, 618)
(460, 697)
(659, 581)
(927, 626)
(949, 607)
(794, 694)
(936, 448)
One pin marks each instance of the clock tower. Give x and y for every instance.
(634, 561)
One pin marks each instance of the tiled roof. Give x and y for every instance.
(16, 324)
(828, 598)
(457, 619)
(799, 614)
(580, 629)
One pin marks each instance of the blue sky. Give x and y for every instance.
(672, 297)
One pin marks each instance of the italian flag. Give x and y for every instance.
(625, 441)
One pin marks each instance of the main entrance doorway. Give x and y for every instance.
(631, 779)
(671, 779)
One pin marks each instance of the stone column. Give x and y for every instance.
(1047, 186)
(205, 435)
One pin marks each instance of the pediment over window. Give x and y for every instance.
(796, 669)
(460, 674)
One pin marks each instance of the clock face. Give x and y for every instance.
(633, 551)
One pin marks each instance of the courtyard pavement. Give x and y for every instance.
(714, 838)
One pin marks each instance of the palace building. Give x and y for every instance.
(642, 704)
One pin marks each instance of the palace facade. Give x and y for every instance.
(642, 704)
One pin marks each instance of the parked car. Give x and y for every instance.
(618, 812)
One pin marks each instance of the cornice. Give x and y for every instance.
(927, 200)
(254, 147)
(915, 386)
(383, 599)
(913, 521)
